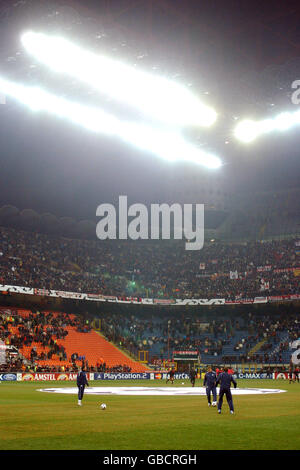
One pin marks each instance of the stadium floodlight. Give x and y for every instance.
(168, 145)
(154, 96)
(248, 130)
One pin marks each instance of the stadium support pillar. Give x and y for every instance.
(143, 357)
(96, 324)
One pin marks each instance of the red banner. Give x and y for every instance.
(48, 376)
(284, 270)
(281, 375)
(264, 268)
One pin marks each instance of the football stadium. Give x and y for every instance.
(149, 229)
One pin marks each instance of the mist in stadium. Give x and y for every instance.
(149, 228)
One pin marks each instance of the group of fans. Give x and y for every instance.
(207, 334)
(155, 269)
(38, 328)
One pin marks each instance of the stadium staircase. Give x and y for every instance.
(286, 355)
(257, 347)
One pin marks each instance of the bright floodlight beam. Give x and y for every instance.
(154, 96)
(168, 145)
(248, 130)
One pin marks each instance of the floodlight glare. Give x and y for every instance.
(247, 130)
(283, 121)
(167, 145)
(154, 96)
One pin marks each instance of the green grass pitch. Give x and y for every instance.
(31, 420)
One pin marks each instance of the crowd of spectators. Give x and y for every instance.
(37, 328)
(160, 336)
(44, 329)
(158, 269)
(208, 337)
(17, 363)
(155, 269)
(13, 361)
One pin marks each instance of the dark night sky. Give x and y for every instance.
(52, 166)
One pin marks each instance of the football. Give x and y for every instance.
(103, 406)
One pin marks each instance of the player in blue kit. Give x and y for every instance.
(210, 384)
(81, 383)
(225, 380)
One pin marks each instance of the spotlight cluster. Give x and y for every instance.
(171, 105)
(154, 96)
(248, 130)
(168, 145)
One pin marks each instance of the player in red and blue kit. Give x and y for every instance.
(171, 375)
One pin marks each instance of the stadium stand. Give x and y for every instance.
(221, 270)
(61, 342)
(154, 270)
(240, 339)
